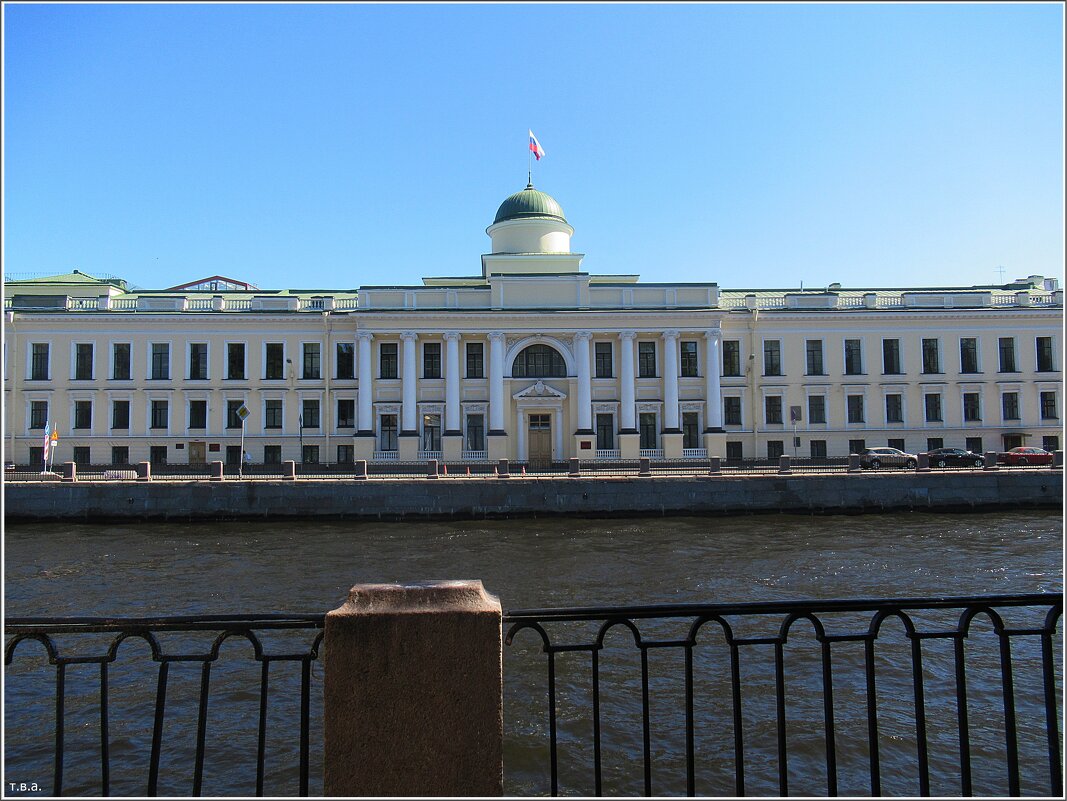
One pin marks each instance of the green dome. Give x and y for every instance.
(529, 203)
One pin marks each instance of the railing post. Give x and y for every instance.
(502, 469)
(431, 468)
(361, 469)
(783, 466)
(69, 472)
(645, 469)
(575, 468)
(216, 471)
(715, 466)
(990, 460)
(1057, 459)
(853, 463)
(144, 471)
(412, 692)
(289, 470)
(922, 463)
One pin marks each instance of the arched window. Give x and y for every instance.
(539, 361)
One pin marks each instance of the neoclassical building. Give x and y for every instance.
(532, 359)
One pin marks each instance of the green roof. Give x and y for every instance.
(66, 278)
(529, 203)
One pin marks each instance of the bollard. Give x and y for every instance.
(431, 468)
(412, 689)
(361, 470)
(646, 467)
(144, 471)
(715, 466)
(502, 469)
(783, 466)
(216, 471)
(1057, 459)
(990, 460)
(853, 463)
(289, 470)
(922, 463)
(69, 472)
(575, 468)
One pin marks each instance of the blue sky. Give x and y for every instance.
(337, 145)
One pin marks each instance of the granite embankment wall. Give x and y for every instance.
(461, 498)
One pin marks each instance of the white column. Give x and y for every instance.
(496, 382)
(670, 381)
(366, 379)
(410, 408)
(557, 425)
(712, 366)
(452, 408)
(520, 432)
(627, 410)
(585, 388)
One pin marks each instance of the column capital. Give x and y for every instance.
(409, 336)
(713, 333)
(450, 336)
(672, 333)
(582, 336)
(627, 335)
(364, 335)
(496, 336)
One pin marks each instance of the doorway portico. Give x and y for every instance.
(539, 409)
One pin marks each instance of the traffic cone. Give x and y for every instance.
(468, 471)
(524, 469)
(444, 467)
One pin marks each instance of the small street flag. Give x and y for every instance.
(47, 442)
(535, 147)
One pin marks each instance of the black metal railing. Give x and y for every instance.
(71, 643)
(932, 692)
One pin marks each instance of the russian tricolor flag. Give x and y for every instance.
(535, 147)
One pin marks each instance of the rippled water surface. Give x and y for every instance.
(200, 568)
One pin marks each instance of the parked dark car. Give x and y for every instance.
(873, 458)
(955, 457)
(1025, 455)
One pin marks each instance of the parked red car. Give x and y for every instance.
(1025, 455)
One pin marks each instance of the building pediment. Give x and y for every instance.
(539, 390)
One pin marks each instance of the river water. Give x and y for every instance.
(307, 567)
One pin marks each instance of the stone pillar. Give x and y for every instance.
(922, 463)
(497, 437)
(69, 472)
(629, 439)
(144, 471)
(361, 469)
(853, 463)
(645, 469)
(216, 471)
(575, 469)
(670, 383)
(413, 692)
(1057, 460)
(520, 434)
(289, 470)
(990, 461)
(715, 465)
(365, 411)
(431, 468)
(713, 368)
(452, 437)
(409, 410)
(784, 468)
(585, 386)
(502, 469)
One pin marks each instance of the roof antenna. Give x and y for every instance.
(1000, 272)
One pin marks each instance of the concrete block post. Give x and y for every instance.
(716, 466)
(784, 468)
(853, 463)
(431, 468)
(922, 463)
(69, 472)
(412, 688)
(575, 468)
(990, 460)
(361, 469)
(216, 471)
(502, 469)
(289, 470)
(144, 471)
(645, 469)
(1057, 459)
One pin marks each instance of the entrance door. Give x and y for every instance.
(197, 452)
(540, 441)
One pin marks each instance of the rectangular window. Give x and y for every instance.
(272, 454)
(346, 413)
(817, 448)
(312, 363)
(81, 455)
(233, 455)
(605, 432)
(198, 414)
(968, 355)
(157, 455)
(731, 357)
(346, 361)
(646, 361)
(1007, 355)
(775, 448)
(973, 444)
(731, 406)
(772, 357)
(1009, 404)
(933, 443)
(891, 356)
(120, 361)
(894, 408)
(431, 432)
(816, 408)
(932, 402)
(857, 445)
(160, 361)
(38, 414)
(274, 366)
(1044, 355)
(475, 432)
(1048, 406)
(39, 361)
(690, 429)
(120, 414)
(689, 361)
(853, 357)
(813, 349)
(647, 427)
(235, 361)
(272, 414)
(310, 416)
(972, 407)
(37, 456)
(603, 360)
(854, 408)
(120, 454)
(896, 443)
(773, 409)
(160, 414)
(1050, 443)
(734, 451)
(83, 362)
(83, 414)
(431, 362)
(475, 363)
(387, 433)
(232, 418)
(345, 454)
(387, 360)
(197, 361)
(309, 454)
(931, 356)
